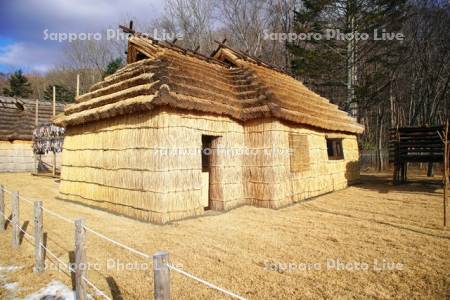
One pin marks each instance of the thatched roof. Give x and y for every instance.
(17, 117)
(228, 84)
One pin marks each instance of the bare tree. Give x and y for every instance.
(191, 19)
(90, 57)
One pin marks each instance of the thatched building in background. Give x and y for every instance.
(129, 141)
(17, 122)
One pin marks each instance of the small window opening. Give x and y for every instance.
(334, 149)
(140, 56)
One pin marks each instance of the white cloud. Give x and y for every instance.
(25, 21)
(28, 57)
(75, 16)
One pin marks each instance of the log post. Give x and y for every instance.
(80, 260)
(78, 86)
(446, 165)
(161, 275)
(38, 238)
(15, 220)
(2, 209)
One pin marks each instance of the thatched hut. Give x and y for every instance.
(129, 140)
(18, 118)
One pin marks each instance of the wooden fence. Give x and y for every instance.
(161, 265)
(369, 159)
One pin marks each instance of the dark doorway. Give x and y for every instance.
(207, 162)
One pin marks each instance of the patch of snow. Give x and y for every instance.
(11, 286)
(9, 268)
(55, 290)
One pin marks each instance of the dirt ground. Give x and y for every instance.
(371, 240)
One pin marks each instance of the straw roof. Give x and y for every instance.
(228, 84)
(17, 117)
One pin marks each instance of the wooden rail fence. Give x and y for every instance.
(161, 265)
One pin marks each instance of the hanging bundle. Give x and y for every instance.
(48, 138)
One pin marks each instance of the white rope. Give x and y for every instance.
(137, 252)
(73, 271)
(97, 290)
(210, 285)
(46, 249)
(25, 234)
(26, 200)
(118, 243)
(6, 218)
(50, 212)
(140, 253)
(9, 192)
(67, 266)
(57, 215)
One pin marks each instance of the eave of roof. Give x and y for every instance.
(18, 117)
(185, 80)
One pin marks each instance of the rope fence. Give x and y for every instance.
(160, 259)
(50, 212)
(137, 252)
(32, 240)
(208, 284)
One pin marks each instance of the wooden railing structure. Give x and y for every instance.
(161, 263)
(420, 144)
(414, 144)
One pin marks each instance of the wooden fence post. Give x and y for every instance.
(80, 260)
(161, 275)
(2, 209)
(446, 166)
(38, 238)
(15, 220)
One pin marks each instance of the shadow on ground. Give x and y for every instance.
(382, 183)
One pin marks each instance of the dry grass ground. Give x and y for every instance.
(237, 250)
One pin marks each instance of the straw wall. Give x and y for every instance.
(148, 166)
(17, 156)
(124, 165)
(271, 182)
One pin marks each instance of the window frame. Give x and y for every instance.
(336, 148)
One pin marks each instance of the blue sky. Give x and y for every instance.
(22, 25)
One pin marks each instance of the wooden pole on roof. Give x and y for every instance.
(54, 114)
(78, 85)
(36, 114)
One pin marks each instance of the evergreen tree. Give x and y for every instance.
(62, 94)
(335, 61)
(113, 66)
(18, 85)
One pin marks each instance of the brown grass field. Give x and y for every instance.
(240, 249)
